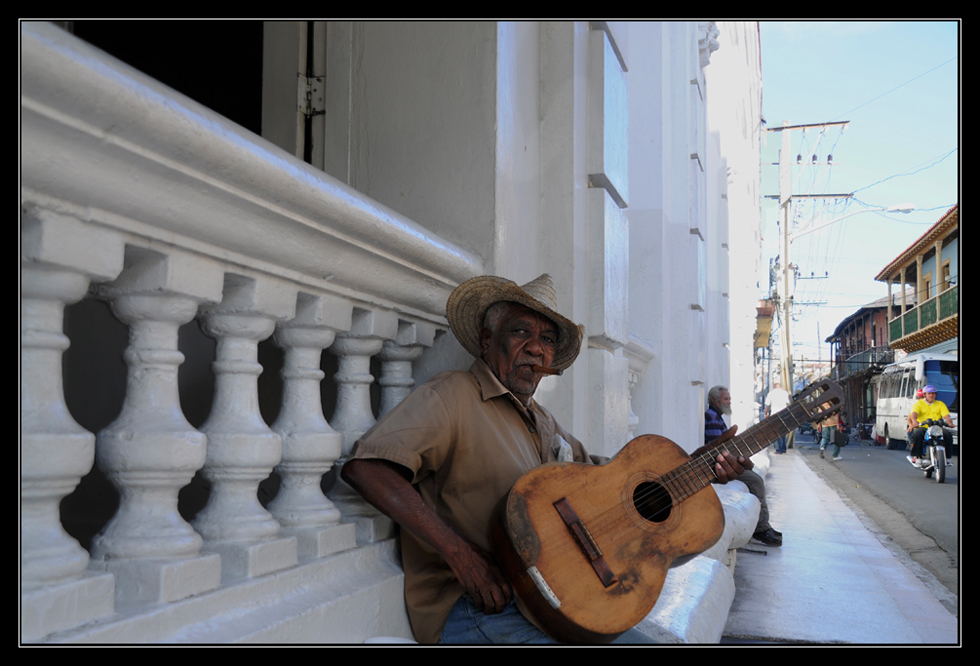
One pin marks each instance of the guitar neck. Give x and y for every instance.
(698, 472)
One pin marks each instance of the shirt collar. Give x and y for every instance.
(490, 386)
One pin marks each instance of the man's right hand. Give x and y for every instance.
(482, 580)
(384, 485)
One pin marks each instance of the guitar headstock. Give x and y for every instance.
(821, 399)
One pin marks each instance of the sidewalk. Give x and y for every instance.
(832, 581)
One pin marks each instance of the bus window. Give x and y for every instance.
(944, 375)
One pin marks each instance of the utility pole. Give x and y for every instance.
(785, 308)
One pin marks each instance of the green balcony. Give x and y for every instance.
(929, 323)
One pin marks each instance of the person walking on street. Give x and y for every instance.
(828, 434)
(777, 400)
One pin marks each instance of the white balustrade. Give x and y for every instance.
(58, 591)
(353, 415)
(242, 449)
(396, 357)
(116, 166)
(309, 445)
(150, 451)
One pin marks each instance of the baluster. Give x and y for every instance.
(242, 449)
(150, 451)
(353, 415)
(309, 445)
(58, 592)
(396, 357)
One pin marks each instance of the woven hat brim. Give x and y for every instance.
(469, 302)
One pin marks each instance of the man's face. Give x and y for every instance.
(930, 397)
(724, 402)
(522, 338)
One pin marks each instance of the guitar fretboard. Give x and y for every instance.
(692, 476)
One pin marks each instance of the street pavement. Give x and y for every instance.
(832, 581)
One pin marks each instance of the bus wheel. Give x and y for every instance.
(893, 444)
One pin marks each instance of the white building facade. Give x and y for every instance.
(265, 310)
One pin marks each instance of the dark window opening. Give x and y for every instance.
(216, 63)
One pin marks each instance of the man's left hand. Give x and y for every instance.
(729, 467)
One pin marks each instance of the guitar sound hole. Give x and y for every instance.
(652, 502)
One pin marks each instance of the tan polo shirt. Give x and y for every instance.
(467, 440)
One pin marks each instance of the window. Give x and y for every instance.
(216, 63)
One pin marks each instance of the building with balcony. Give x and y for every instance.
(859, 349)
(226, 280)
(930, 266)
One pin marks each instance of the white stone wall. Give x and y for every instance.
(668, 228)
(734, 83)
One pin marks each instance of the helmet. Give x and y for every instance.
(928, 388)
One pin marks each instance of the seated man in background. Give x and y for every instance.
(719, 403)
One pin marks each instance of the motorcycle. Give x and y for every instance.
(933, 460)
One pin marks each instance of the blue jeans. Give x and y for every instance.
(781, 444)
(467, 625)
(827, 436)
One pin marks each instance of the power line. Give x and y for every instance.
(896, 88)
(910, 173)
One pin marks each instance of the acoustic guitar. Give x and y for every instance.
(587, 547)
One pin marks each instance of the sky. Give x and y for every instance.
(898, 84)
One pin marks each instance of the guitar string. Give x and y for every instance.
(692, 476)
(680, 479)
(659, 494)
(616, 515)
(689, 478)
(610, 522)
(615, 523)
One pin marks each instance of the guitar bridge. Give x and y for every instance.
(586, 542)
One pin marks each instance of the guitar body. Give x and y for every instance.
(591, 582)
(587, 548)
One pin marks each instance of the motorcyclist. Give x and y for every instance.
(925, 409)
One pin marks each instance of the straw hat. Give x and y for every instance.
(469, 302)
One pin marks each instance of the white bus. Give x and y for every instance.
(896, 393)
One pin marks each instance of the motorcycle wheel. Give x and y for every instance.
(940, 458)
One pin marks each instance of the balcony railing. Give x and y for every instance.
(140, 197)
(861, 361)
(921, 322)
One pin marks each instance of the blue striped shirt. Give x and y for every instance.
(714, 425)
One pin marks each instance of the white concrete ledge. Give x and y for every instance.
(697, 596)
(347, 598)
(358, 594)
(693, 606)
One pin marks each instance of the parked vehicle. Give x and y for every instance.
(896, 394)
(933, 460)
